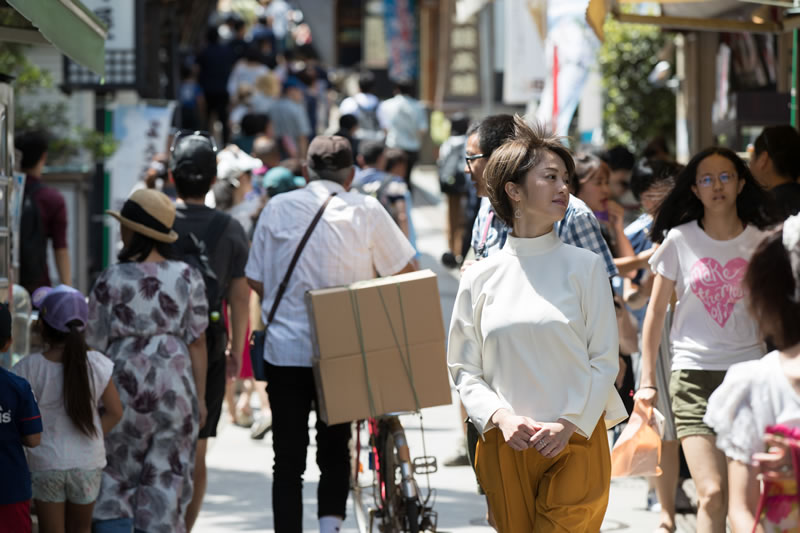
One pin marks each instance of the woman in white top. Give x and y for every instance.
(533, 351)
(70, 382)
(765, 392)
(712, 221)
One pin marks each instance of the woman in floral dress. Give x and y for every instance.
(148, 314)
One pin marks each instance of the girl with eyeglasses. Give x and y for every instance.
(708, 228)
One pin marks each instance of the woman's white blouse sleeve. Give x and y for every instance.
(465, 359)
(603, 346)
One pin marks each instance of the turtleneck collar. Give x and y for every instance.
(535, 246)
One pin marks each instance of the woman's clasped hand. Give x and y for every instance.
(522, 432)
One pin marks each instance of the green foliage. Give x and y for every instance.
(67, 141)
(635, 111)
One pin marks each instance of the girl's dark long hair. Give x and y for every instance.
(771, 288)
(140, 247)
(753, 205)
(78, 385)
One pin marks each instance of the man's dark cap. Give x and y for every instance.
(329, 152)
(194, 155)
(5, 322)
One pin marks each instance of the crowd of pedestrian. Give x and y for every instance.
(701, 267)
(589, 281)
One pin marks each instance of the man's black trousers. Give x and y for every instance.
(291, 393)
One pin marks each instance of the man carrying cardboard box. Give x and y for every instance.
(353, 237)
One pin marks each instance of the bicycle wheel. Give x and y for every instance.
(400, 512)
(412, 515)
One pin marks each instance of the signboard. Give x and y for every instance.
(401, 38)
(120, 46)
(524, 67)
(142, 132)
(459, 53)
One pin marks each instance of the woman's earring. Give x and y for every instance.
(517, 213)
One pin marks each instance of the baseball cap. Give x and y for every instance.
(194, 154)
(61, 305)
(278, 180)
(329, 152)
(233, 162)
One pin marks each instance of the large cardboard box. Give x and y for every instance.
(372, 340)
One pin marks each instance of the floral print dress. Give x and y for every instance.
(144, 316)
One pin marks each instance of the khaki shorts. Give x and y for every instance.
(690, 390)
(75, 486)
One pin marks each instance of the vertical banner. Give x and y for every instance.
(524, 69)
(142, 132)
(459, 58)
(119, 16)
(401, 38)
(571, 52)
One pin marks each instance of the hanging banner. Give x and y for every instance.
(142, 132)
(571, 51)
(525, 67)
(401, 38)
(119, 16)
(459, 77)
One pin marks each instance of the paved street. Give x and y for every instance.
(239, 494)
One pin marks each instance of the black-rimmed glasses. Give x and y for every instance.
(470, 158)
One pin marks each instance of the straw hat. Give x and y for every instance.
(150, 213)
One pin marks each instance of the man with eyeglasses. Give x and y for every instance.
(224, 245)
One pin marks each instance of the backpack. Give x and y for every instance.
(369, 127)
(195, 252)
(452, 178)
(32, 240)
(377, 189)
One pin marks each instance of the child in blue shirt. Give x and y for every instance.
(20, 425)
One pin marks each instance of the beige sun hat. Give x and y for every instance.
(149, 212)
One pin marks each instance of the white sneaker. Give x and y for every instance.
(261, 426)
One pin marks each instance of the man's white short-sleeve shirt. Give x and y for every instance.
(355, 239)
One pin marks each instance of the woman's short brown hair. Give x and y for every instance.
(515, 157)
(771, 287)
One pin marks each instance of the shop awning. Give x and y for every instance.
(702, 15)
(68, 25)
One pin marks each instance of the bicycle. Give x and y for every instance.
(395, 502)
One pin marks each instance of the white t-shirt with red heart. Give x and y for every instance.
(712, 328)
